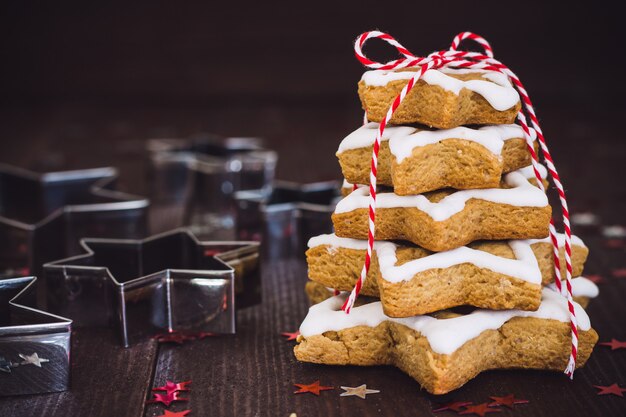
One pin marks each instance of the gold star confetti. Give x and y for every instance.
(33, 359)
(360, 391)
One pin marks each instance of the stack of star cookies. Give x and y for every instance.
(460, 222)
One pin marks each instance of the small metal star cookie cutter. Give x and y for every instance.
(170, 282)
(34, 344)
(43, 216)
(285, 219)
(201, 173)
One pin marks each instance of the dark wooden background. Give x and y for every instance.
(83, 80)
(84, 84)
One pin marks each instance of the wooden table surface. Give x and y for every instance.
(252, 373)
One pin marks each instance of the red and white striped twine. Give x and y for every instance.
(475, 60)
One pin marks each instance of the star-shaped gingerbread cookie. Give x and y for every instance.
(444, 351)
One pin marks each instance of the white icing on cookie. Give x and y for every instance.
(581, 287)
(366, 135)
(510, 131)
(524, 267)
(444, 335)
(402, 147)
(340, 242)
(529, 173)
(403, 139)
(521, 194)
(560, 238)
(498, 91)
(496, 77)
(349, 186)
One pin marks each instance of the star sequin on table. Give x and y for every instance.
(361, 391)
(291, 336)
(166, 399)
(313, 388)
(611, 389)
(33, 359)
(175, 413)
(508, 401)
(619, 273)
(171, 387)
(5, 365)
(614, 344)
(454, 406)
(480, 409)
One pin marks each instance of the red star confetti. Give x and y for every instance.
(455, 406)
(175, 413)
(614, 243)
(201, 335)
(611, 389)
(614, 344)
(171, 387)
(619, 273)
(480, 409)
(174, 337)
(313, 388)
(180, 337)
(508, 401)
(595, 278)
(166, 399)
(291, 336)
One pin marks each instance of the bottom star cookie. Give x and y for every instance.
(445, 350)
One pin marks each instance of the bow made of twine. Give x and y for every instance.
(475, 60)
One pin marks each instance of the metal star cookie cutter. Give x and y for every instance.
(170, 282)
(34, 344)
(43, 216)
(200, 175)
(286, 218)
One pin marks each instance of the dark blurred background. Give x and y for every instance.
(85, 83)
